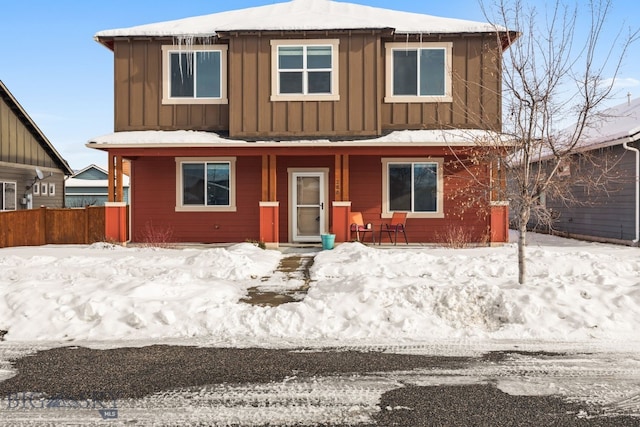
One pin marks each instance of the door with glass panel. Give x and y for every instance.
(308, 204)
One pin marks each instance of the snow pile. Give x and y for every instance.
(576, 291)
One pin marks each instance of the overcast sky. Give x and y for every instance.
(64, 79)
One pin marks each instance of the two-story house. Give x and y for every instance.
(275, 122)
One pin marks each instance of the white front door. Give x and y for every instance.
(308, 206)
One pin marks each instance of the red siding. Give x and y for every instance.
(154, 186)
(154, 200)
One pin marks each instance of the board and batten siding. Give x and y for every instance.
(605, 216)
(253, 114)
(17, 143)
(476, 91)
(138, 93)
(360, 110)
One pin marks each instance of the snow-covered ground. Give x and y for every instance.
(576, 292)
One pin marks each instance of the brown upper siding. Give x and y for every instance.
(138, 93)
(360, 110)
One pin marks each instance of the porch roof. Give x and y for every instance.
(202, 139)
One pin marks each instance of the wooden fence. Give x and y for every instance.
(43, 226)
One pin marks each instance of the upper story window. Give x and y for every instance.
(304, 70)
(195, 75)
(418, 72)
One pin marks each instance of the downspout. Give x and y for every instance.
(637, 202)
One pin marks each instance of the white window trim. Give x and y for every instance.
(390, 47)
(166, 74)
(44, 189)
(196, 208)
(15, 195)
(335, 75)
(35, 189)
(386, 212)
(52, 189)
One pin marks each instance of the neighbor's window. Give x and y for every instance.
(195, 75)
(304, 70)
(205, 184)
(8, 193)
(418, 72)
(414, 186)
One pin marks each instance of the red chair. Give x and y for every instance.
(397, 225)
(358, 226)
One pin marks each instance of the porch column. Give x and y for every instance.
(269, 206)
(115, 222)
(269, 230)
(115, 210)
(115, 192)
(341, 212)
(341, 208)
(499, 222)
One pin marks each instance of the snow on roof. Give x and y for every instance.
(302, 15)
(187, 138)
(92, 183)
(615, 125)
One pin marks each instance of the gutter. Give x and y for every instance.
(637, 198)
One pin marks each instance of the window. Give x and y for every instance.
(43, 189)
(52, 189)
(8, 193)
(418, 72)
(304, 70)
(35, 189)
(205, 184)
(195, 75)
(413, 186)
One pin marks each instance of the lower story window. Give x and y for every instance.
(205, 184)
(413, 186)
(8, 196)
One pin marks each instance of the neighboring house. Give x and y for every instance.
(32, 172)
(611, 213)
(89, 187)
(274, 122)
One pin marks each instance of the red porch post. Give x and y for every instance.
(269, 206)
(115, 222)
(269, 223)
(341, 213)
(499, 222)
(115, 210)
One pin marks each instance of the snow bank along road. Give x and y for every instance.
(505, 384)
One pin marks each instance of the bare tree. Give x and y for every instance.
(553, 75)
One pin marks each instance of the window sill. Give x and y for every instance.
(417, 99)
(206, 209)
(420, 215)
(193, 101)
(305, 97)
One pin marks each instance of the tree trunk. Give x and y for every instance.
(522, 240)
(522, 265)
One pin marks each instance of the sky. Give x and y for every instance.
(64, 79)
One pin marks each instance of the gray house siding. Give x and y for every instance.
(602, 215)
(24, 177)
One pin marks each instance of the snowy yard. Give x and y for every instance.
(577, 291)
